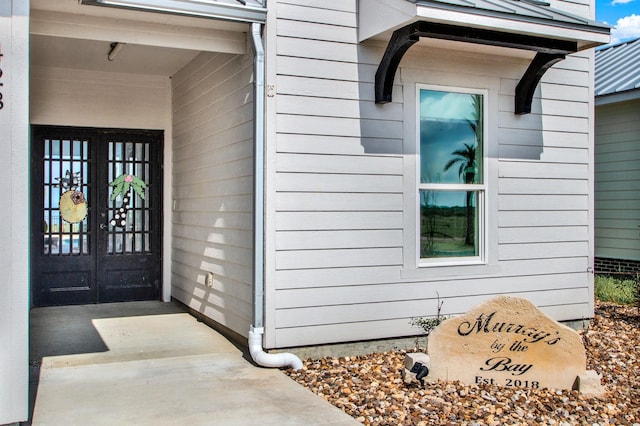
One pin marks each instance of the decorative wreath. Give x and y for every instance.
(122, 186)
(124, 182)
(73, 204)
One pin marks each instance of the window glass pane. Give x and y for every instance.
(139, 215)
(139, 148)
(66, 149)
(118, 244)
(450, 137)
(449, 223)
(138, 240)
(128, 243)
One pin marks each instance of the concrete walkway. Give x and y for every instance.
(150, 363)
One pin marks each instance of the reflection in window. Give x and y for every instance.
(451, 185)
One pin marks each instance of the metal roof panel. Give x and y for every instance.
(525, 10)
(618, 68)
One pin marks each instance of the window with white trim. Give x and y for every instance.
(451, 175)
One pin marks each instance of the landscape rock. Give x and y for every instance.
(410, 360)
(507, 341)
(379, 395)
(589, 384)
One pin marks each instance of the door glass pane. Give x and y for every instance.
(139, 148)
(115, 244)
(66, 197)
(130, 162)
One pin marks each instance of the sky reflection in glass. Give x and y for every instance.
(446, 125)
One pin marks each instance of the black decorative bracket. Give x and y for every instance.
(548, 52)
(529, 81)
(400, 42)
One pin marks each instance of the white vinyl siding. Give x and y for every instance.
(337, 184)
(73, 97)
(617, 211)
(213, 187)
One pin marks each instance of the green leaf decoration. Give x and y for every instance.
(117, 180)
(139, 191)
(139, 182)
(117, 190)
(123, 183)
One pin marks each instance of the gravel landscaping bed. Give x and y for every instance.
(370, 388)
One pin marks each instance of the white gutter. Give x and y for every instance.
(240, 12)
(257, 329)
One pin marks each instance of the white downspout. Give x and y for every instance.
(257, 329)
(264, 359)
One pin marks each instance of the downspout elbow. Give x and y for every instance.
(264, 359)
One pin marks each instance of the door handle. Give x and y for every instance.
(104, 226)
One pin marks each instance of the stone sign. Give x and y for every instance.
(507, 341)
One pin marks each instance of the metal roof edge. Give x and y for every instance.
(617, 97)
(591, 25)
(618, 44)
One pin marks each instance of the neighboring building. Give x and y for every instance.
(401, 151)
(617, 158)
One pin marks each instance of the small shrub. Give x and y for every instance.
(428, 324)
(621, 288)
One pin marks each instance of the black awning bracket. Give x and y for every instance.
(548, 52)
(529, 81)
(400, 42)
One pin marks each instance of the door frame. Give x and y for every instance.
(97, 210)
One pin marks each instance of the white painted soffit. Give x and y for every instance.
(379, 18)
(227, 10)
(144, 33)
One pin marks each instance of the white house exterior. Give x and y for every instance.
(341, 254)
(617, 158)
(302, 196)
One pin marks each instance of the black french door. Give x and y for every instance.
(96, 215)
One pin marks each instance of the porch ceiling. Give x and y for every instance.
(73, 7)
(67, 34)
(91, 55)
